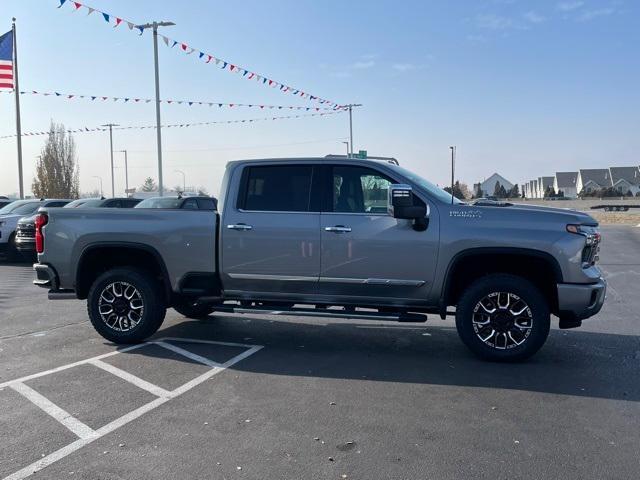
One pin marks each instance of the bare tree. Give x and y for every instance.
(57, 168)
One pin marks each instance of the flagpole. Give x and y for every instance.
(16, 88)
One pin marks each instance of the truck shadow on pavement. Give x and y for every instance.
(571, 363)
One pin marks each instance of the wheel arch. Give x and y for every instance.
(542, 269)
(99, 257)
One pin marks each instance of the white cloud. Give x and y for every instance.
(534, 17)
(591, 14)
(403, 67)
(569, 6)
(491, 21)
(363, 64)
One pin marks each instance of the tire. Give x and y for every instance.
(501, 335)
(146, 307)
(189, 309)
(13, 254)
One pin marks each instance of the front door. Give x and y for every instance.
(365, 251)
(270, 234)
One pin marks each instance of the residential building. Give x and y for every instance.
(625, 179)
(593, 179)
(543, 185)
(565, 182)
(487, 187)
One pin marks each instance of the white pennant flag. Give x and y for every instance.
(165, 40)
(91, 10)
(130, 25)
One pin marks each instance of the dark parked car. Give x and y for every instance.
(104, 203)
(180, 203)
(25, 240)
(5, 201)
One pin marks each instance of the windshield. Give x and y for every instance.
(165, 202)
(76, 203)
(21, 209)
(434, 190)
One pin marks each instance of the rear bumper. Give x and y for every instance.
(46, 276)
(579, 301)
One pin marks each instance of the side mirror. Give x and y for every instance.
(401, 205)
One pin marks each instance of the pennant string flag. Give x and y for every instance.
(225, 65)
(93, 98)
(180, 125)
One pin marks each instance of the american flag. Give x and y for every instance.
(6, 60)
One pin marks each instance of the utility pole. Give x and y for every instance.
(126, 173)
(453, 166)
(184, 180)
(99, 178)
(113, 183)
(350, 108)
(16, 88)
(154, 26)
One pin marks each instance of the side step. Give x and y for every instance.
(327, 312)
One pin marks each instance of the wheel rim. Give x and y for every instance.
(502, 320)
(121, 306)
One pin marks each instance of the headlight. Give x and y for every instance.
(592, 240)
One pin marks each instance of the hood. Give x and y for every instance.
(513, 210)
(28, 220)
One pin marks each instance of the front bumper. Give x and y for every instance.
(26, 244)
(579, 301)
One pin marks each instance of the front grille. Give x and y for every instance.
(26, 231)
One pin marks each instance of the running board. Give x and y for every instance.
(326, 312)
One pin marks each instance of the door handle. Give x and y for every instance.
(239, 226)
(338, 229)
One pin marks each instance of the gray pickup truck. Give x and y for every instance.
(330, 237)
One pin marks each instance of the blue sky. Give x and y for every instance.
(522, 88)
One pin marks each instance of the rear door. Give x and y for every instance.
(271, 230)
(365, 252)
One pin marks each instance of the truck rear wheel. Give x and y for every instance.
(503, 317)
(126, 305)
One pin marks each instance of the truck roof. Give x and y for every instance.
(327, 158)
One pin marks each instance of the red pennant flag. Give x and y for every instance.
(232, 67)
(118, 22)
(209, 57)
(77, 5)
(70, 96)
(184, 46)
(270, 82)
(104, 98)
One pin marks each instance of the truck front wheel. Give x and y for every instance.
(503, 317)
(126, 305)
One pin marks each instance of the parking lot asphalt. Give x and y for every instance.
(291, 398)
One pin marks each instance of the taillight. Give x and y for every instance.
(41, 221)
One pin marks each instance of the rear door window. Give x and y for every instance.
(206, 204)
(277, 188)
(190, 204)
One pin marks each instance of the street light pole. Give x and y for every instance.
(126, 172)
(113, 184)
(184, 180)
(99, 178)
(453, 166)
(350, 108)
(154, 26)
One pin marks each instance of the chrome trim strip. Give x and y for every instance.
(280, 278)
(374, 281)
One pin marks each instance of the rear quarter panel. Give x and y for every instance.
(184, 239)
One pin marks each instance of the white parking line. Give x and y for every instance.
(185, 353)
(62, 416)
(137, 381)
(86, 434)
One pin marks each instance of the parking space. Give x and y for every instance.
(322, 398)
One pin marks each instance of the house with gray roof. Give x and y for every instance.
(487, 187)
(543, 185)
(566, 182)
(625, 179)
(593, 179)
